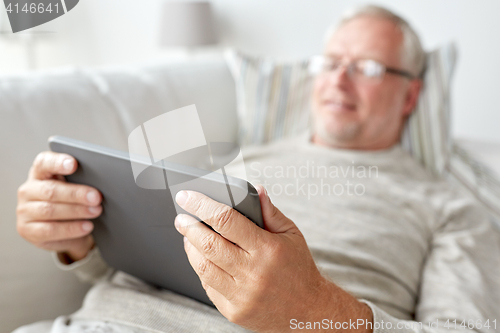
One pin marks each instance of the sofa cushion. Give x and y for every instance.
(102, 107)
(33, 107)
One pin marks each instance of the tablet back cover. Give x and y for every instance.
(135, 232)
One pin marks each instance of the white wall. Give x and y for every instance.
(99, 32)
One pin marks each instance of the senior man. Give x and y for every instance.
(378, 244)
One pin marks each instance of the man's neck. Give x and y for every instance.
(376, 145)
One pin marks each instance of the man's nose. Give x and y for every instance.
(339, 76)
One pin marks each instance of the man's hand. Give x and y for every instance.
(53, 214)
(259, 279)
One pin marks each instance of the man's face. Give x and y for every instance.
(356, 114)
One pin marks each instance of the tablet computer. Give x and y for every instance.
(135, 232)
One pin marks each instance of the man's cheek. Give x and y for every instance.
(372, 102)
(316, 96)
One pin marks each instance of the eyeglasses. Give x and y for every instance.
(365, 70)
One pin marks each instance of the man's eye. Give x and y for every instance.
(333, 64)
(370, 68)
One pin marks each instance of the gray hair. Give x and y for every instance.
(413, 54)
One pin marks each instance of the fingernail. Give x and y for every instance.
(92, 197)
(265, 191)
(87, 226)
(94, 209)
(67, 164)
(181, 198)
(185, 239)
(180, 221)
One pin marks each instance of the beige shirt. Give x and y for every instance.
(422, 254)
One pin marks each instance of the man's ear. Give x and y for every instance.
(412, 96)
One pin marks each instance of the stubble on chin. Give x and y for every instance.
(337, 134)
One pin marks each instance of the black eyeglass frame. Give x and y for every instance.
(400, 72)
(391, 70)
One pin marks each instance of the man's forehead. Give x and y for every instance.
(367, 37)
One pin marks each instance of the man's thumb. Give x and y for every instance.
(274, 220)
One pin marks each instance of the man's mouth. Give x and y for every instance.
(339, 106)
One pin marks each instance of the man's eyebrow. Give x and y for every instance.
(368, 56)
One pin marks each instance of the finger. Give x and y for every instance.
(50, 211)
(59, 191)
(225, 220)
(274, 220)
(43, 232)
(48, 164)
(209, 273)
(211, 245)
(220, 302)
(76, 245)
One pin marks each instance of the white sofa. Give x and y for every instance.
(102, 107)
(99, 106)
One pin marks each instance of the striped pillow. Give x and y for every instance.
(274, 101)
(273, 97)
(427, 135)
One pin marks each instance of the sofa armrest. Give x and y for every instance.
(476, 166)
(486, 154)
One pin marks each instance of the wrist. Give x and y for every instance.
(339, 310)
(67, 258)
(70, 256)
